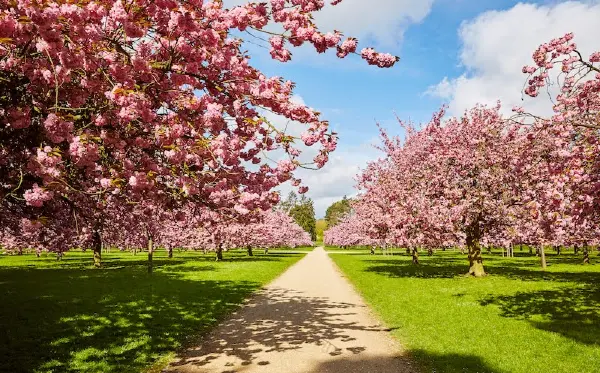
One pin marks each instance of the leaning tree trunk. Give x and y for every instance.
(170, 252)
(543, 256)
(415, 256)
(150, 252)
(219, 252)
(249, 249)
(474, 250)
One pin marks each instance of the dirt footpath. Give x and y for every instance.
(310, 319)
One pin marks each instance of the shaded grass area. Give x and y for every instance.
(65, 316)
(517, 319)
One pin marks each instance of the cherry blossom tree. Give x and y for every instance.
(148, 102)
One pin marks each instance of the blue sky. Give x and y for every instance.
(456, 52)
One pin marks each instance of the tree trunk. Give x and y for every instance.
(537, 251)
(575, 249)
(372, 250)
(170, 251)
(557, 250)
(97, 247)
(543, 256)
(408, 250)
(59, 255)
(219, 252)
(429, 251)
(530, 249)
(489, 250)
(475, 259)
(415, 256)
(150, 252)
(586, 255)
(249, 249)
(266, 250)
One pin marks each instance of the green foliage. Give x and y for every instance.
(518, 319)
(321, 227)
(337, 211)
(303, 211)
(65, 316)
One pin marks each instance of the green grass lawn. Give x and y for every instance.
(65, 316)
(517, 319)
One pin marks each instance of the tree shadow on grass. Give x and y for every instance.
(278, 320)
(77, 320)
(571, 312)
(450, 268)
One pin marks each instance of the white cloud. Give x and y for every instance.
(497, 44)
(336, 179)
(382, 21)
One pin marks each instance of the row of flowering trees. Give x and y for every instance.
(125, 114)
(485, 179)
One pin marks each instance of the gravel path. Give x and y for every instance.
(308, 320)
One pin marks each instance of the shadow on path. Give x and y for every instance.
(279, 320)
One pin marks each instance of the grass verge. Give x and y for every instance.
(518, 319)
(64, 316)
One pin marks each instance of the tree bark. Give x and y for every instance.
(170, 251)
(150, 252)
(219, 252)
(475, 259)
(97, 247)
(543, 256)
(586, 255)
(415, 256)
(249, 249)
(59, 255)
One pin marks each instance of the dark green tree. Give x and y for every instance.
(337, 211)
(302, 210)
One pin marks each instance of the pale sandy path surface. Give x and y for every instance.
(308, 320)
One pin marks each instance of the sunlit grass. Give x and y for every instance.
(517, 319)
(65, 316)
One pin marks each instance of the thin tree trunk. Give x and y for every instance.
(575, 249)
(543, 256)
(97, 247)
(586, 255)
(266, 250)
(150, 252)
(530, 249)
(415, 256)
(249, 249)
(170, 251)
(429, 251)
(59, 255)
(219, 252)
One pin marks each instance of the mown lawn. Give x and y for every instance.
(65, 316)
(517, 319)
